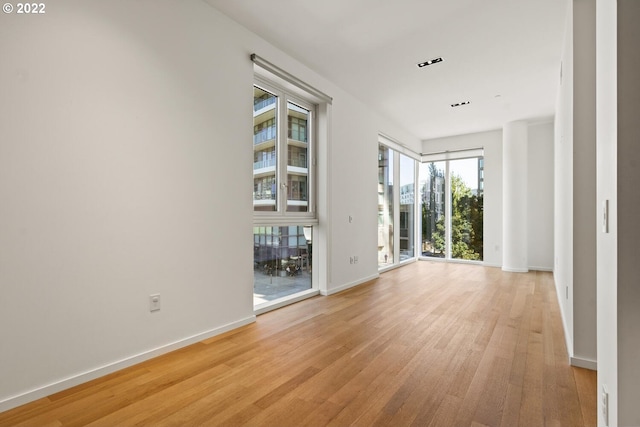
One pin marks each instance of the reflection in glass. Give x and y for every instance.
(407, 207)
(264, 150)
(385, 206)
(281, 262)
(297, 157)
(432, 190)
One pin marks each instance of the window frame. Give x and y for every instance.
(281, 216)
(395, 165)
(448, 157)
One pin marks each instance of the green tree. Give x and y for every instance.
(466, 217)
(432, 218)
(466, 221)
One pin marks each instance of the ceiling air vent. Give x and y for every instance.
(459, 104)
(429, 62)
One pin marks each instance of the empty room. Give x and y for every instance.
(424, 233)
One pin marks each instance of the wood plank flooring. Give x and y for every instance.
(429, 344)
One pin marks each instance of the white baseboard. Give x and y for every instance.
(350, 285)
(47, 390)
(281, 302)
(531, 268)
(583, 363)
(534, 268)
(490, 264)
(515, 270)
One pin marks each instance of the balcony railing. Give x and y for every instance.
(264, 164)
(259, 105)
(297, 197)
(264, 135)
(297, 136)
(264, 196)
(298, 163)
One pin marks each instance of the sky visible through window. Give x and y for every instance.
(467, 169)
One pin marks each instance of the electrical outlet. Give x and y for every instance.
(350, 260)
(605, 406)
(154, 302)
(355, 259)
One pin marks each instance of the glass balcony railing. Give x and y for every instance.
(264, 196)
(298, 163)
(259, 105)
(293, 198)
(264, 164)
(264, 135)
(297, 136)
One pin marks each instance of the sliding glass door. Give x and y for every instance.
(452, 209)
(396, 207)
(466, 209)
(432, 188)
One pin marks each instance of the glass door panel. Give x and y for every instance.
(281, 262)
(466, 209)
(407, 207)
(432, 189)
(385, 206)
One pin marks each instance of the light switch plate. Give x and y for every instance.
(154, 302)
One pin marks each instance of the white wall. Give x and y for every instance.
(563, 185)
(123, 126)
(575, 188)
(540, 172)
(607, 256)
(618, 95)
(628, 211)
(585, 220)
(112, 130)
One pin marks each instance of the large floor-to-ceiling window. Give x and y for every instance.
(452, 193)
(284, 193)
(396, 206)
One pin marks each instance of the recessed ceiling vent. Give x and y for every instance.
(429, 62)
(459, 104)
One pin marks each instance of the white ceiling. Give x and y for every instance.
(502, 55)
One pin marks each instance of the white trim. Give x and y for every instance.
(583, 363)
(490, 264)
(515, 270)
(279, 72)
(452, 155)
(547, 269)
(350, 285)
(281, 302)
(397, 265)
(457, 261)
(398, 146)
(568, 341)
(47, 390)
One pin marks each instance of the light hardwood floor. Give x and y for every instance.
(429, 344)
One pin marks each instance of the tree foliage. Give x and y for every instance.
(466, 220)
